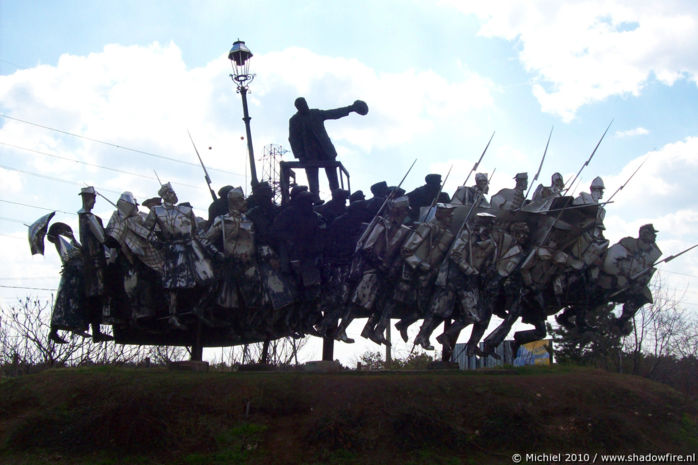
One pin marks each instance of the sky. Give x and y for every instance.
(103, 93)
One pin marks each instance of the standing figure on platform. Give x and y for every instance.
(94, 262)
(185, 267)
(310, 142)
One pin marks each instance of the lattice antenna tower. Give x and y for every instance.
(270, 167)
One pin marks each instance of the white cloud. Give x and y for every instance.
(639, 131)
(585, 51)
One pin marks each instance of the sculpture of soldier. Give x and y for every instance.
(240, 291)
(279, 290)
(458, 283)
(591, 243)
(543, 275)
(335, 207)
(376, 265)
(219, 206)
(594, 195)
(340, 243)
(467, 195)
(185, 265)
(310, 142)
(94, 262)
(139, 264)
(511, 199)
(379, 191)
(424, 196)
(298, 230)
(557, 184)
(502, 284)
(263, 213)
(423, 253)
(629, 263)
(69, 312)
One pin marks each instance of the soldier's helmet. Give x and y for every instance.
(165, 188)
(480, 177)
(556, 178)
(521, 176)
(127, 197)
(597, 183)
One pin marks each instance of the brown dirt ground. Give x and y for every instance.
(119, 415)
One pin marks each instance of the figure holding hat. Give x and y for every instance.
(310, 142)
(94, 261)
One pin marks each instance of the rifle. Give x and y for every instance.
(436, 197)
(98, 193)
(586, 163)
(479, 160)
(361, 240)
(652, 266)
(206, 176)
(626, 182)
(535, 178)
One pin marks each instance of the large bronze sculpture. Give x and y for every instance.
(169, 277)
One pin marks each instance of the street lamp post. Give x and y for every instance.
(239, 57)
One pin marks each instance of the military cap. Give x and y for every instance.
(649, 227)
(379, 189)
(356, 196)
(223, 191)
(521, 176)
(597, 183)
(433, 179)
(89, 190)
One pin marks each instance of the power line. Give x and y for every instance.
(110, 144)
(65, 181)
(35, 206)
(14, 220)
(28, 288)
(116, 170)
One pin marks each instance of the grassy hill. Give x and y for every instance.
(108, 415)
